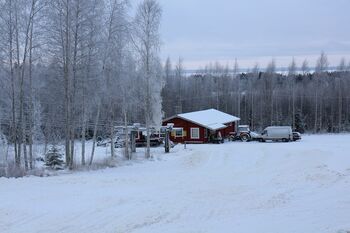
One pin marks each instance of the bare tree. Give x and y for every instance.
(179, 70)
(269, 78)
(147, 41)
(238, 86)
(340, 83)
(169, 87)
(7, 47)
(255, 74)
(321, 67)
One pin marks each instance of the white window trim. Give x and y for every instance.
(198, 137)
(182, 132)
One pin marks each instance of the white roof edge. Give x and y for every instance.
(211, 118)
(216, 126)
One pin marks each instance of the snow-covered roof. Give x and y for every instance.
(211, 119)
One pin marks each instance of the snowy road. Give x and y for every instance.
(234, 187)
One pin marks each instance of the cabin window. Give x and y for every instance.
(179, 132)
(194, 133)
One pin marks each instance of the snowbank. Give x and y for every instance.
(233, 187)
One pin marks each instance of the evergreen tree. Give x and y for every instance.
(299, 123)
(53, 159)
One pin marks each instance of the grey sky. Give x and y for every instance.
(254, 30)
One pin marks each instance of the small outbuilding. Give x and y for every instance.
(201, 126)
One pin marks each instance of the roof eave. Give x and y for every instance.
(216, 128)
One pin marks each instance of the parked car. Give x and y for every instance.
(277, 133)
(296, 136)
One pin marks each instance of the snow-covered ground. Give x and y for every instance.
(233, 187)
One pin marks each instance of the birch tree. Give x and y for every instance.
(7, 48)
(321, 67)
(179, 70)
(340, 83)
(146, 38)
(238, 87)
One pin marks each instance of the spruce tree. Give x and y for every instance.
(299, 123)
(53, 159)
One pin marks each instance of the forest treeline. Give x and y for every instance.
(317, 101)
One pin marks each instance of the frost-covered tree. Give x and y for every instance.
(321, 68)
(169, 87)
(179, 76)
(146, 39)
(291, 73)
(53, 158)
(238, 86)
(267, 96)
(74, 35)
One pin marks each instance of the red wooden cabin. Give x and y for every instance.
(198, 127)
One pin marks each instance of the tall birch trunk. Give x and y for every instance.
(126, 149)
(66, 52)
(13, 97)
(95, 134)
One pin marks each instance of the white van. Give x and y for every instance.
(277, 133)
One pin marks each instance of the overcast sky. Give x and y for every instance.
(253, 31)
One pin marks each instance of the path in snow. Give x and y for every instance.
(234, 187)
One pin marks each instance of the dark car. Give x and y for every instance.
(296, 136)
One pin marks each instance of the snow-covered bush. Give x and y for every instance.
(53, 159)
